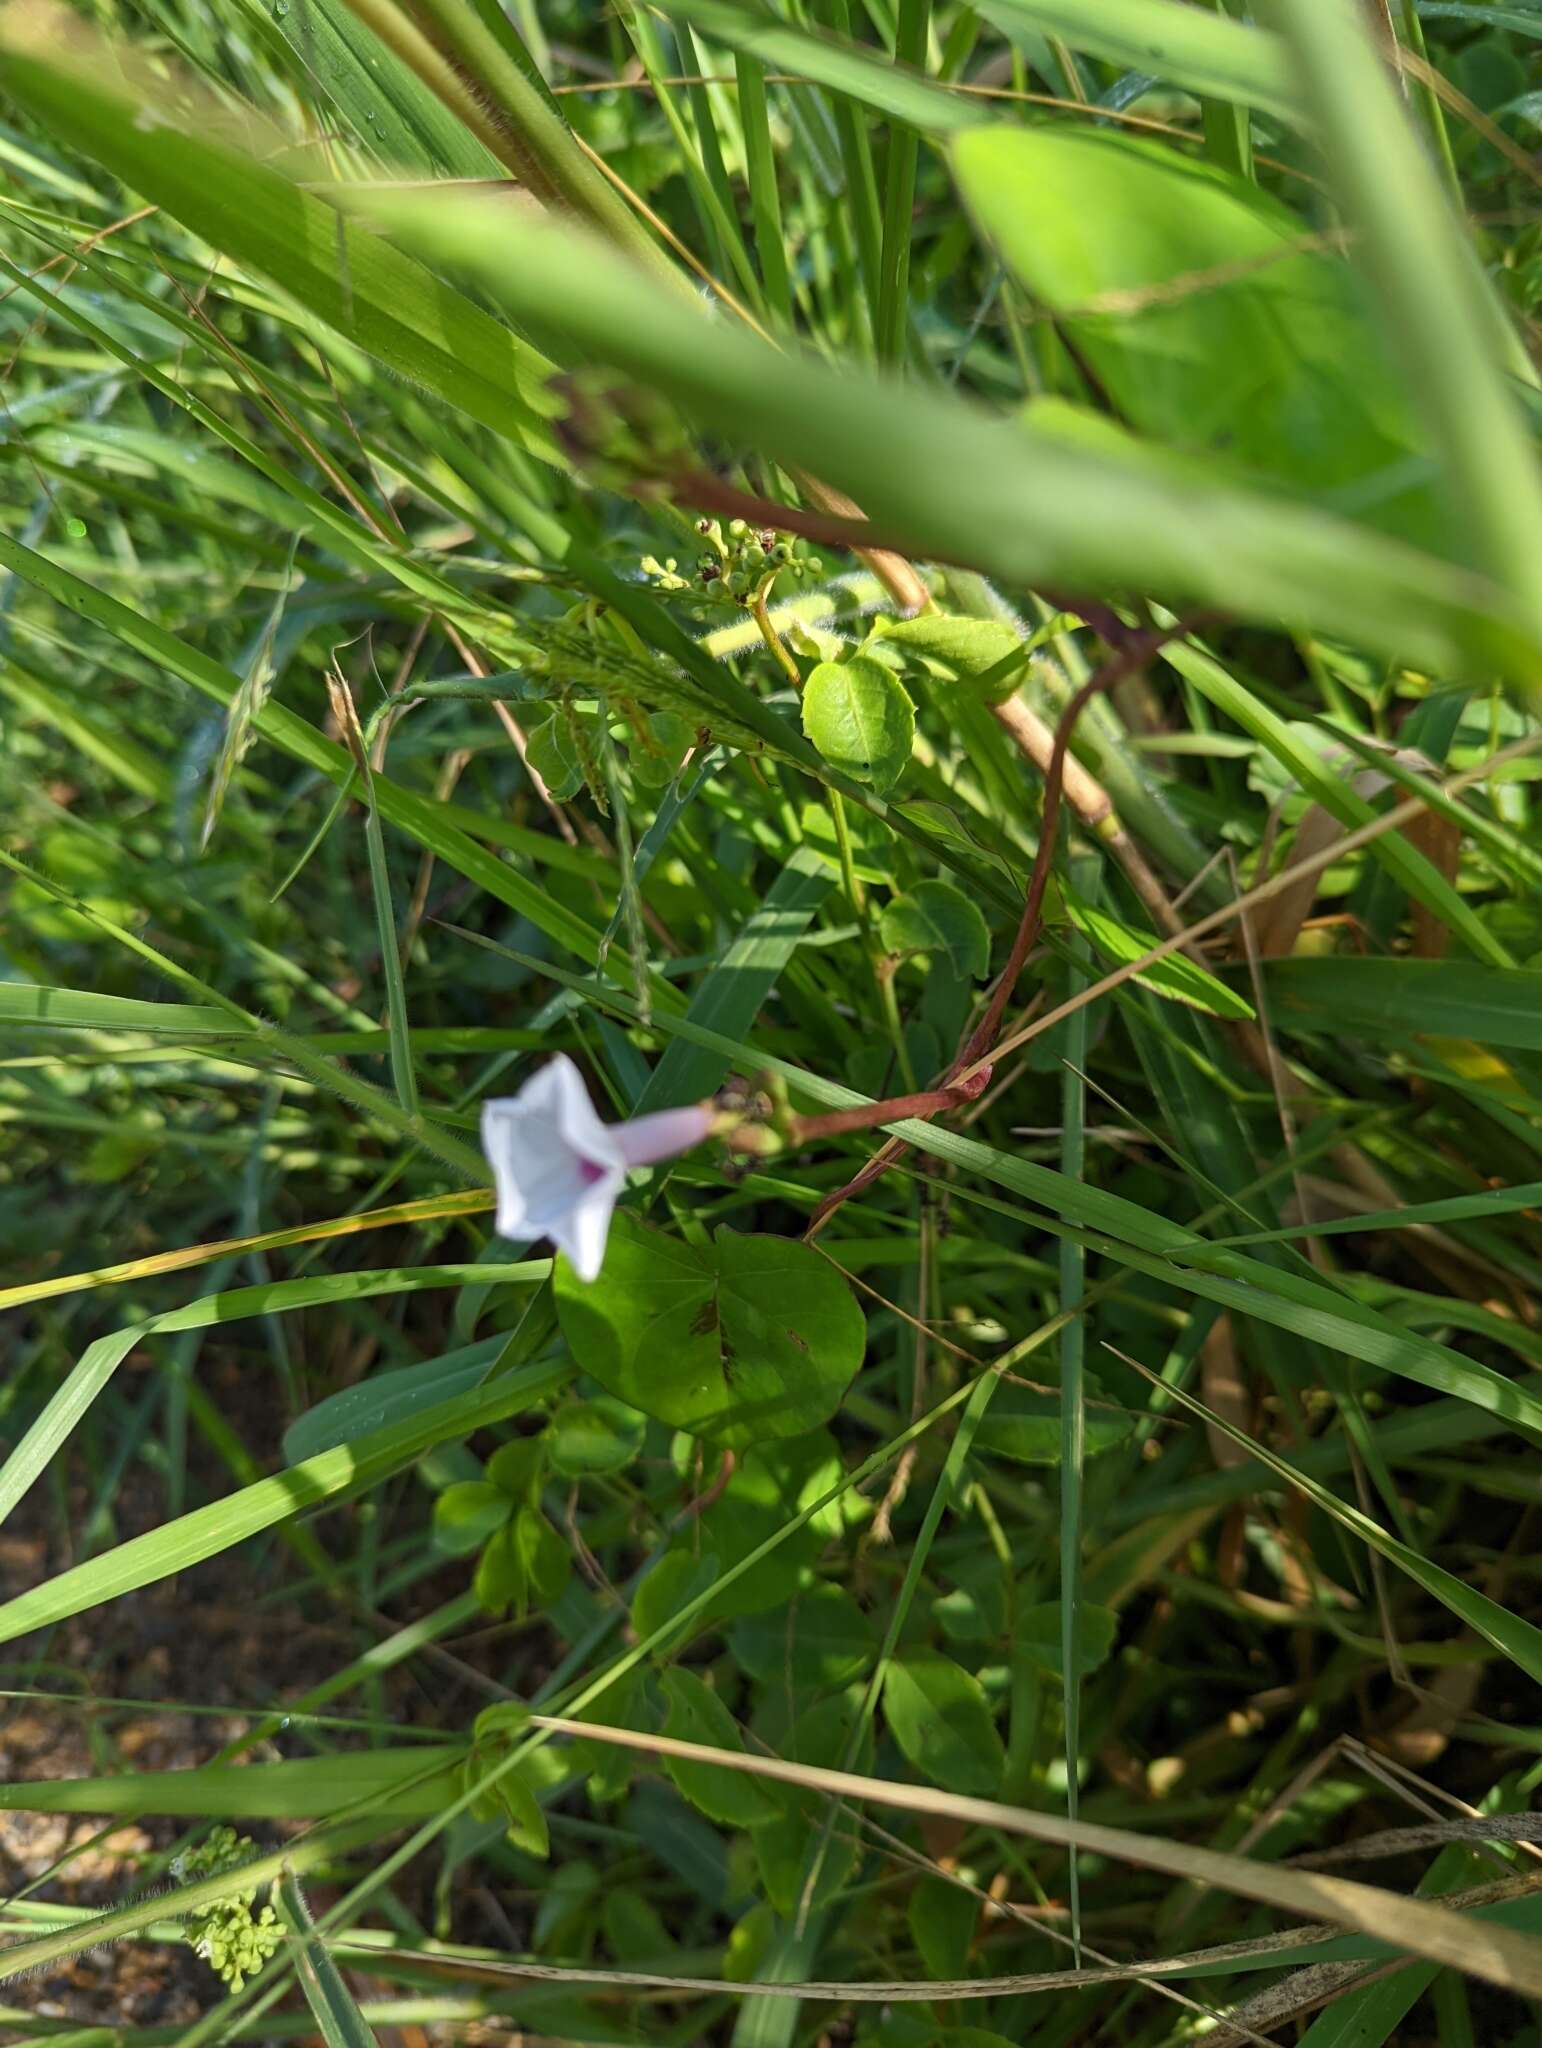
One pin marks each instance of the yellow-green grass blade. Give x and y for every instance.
(329, 1476)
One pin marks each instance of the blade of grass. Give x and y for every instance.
(1210, 54)
(899, 196)
(1015, 500)
(1499, 1955)
(330, 1476)
(1440, 313)
(331, 2002)
(101, 1359)
(1073, 1415)
(765, 201)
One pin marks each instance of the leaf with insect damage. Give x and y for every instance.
(746, 1338)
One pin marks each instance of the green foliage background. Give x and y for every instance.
(566, 529)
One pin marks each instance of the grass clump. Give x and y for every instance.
(915, 631)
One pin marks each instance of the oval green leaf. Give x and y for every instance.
(860, 718)
(940, 1718)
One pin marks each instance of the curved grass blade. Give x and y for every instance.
(330, 1476)
(1031, 503)
(101, 1360)
(359, 285)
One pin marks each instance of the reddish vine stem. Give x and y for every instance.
(1137, 649)
(1136, 646)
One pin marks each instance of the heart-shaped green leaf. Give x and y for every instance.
(934, 917)
(1036, 1632)
(748, 1338)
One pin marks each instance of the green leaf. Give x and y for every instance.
(767, 1489)
(391, 113)
(553, 756)
(672, 1584)
(934, 917)
(546, 1560)
(939, 1717)
(972, 648)
(1025, 1427)
(859, 716)
(964, 484)
(752, 1337)
(1462, 362)
(517, 1469)
(1273, 365)
(387, 1397)
(71, 1009)
(696, 1714)
(527, 1820)
(331, 2002)
(1037, 1632)
(1178, 977)
(820, 1640)
(466, 1514)
(634, 1927)
(526, 1564)
(589, 1438)
(943, 1918)
(786, 1848)
(1207, 53)
(404, 1783)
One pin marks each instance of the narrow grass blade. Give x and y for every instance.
(331, 2002)
(834, 62)
(1438, 307)
(1209, 54)
(899, 196)
(332, 1475)
(101, 1360)
(760, 173)
(1513, 1637)
(1073, 1411)
(406, 1782)
(731, 993)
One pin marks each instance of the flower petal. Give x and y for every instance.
(663, 1133)
(553, 1160)
(562, 1088)
(582, 1230)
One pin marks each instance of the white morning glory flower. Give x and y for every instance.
(559, 1171)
